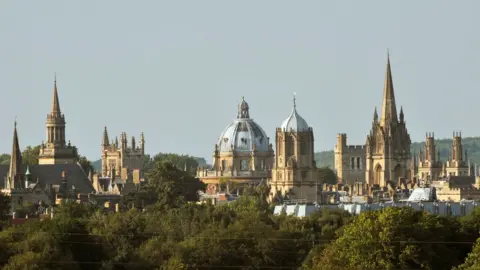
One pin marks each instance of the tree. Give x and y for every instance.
(327, 175)
(4, 159)
(167, 186)
(86, 164)
(182, 162)
(30, 155)
(396, 238)
(4, 207)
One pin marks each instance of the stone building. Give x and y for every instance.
(242, 155)
(47, 179)
(294, 173)
(56, 150)
(386, 154)
(120, 159)
(457, 163)
(349, 161)
(431, 168)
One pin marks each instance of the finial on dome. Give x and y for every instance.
(243, 109)
(294, 99)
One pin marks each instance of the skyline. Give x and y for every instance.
(133, 72)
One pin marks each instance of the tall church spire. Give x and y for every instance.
(15, 170)
(389, 109)
(55, 104)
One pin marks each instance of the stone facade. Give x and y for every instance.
(242, 155)
(349, 161)
(385, 157)
(120, 159)
(56, 150)
(294, 174)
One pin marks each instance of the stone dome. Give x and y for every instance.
(294, 121)
(244, 134)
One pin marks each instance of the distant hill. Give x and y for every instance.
(470, 144)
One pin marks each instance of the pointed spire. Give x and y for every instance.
(16, 158)
(389, 109)
(105, 141)
(55, 104)
(294, 100)
(402, 118)
(375, 115)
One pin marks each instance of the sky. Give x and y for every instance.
(176, 70)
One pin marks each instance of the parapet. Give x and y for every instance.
(356, 147)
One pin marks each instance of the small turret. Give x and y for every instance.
(375, 115)
(132, 143)
(105, 141)
(142, 143)
(402, 119)
(27, 177)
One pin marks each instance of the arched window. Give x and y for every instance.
(358, 163)
(352, 163)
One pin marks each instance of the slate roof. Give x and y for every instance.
(51, 174)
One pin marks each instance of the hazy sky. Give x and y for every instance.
(176, 70)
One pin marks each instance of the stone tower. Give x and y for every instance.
(430, 166)
(55, 150)
(388, 144)
(294, 171)
(349, 161)
(15, 173)
(457, 164)
(120, 159)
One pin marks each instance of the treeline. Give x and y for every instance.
(161, 226)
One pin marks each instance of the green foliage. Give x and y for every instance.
(470, 144)
(166, 187)
(4, 159)
(327, 175)
(30, 155)
(4, 207)
(396, 238)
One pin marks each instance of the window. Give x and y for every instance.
(352, 163)
(262, 164)
(304, 175)
(244, 165)
(358, 163)
(303, 148)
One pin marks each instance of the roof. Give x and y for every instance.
(244, 134)
(294, 121)
(51, 174)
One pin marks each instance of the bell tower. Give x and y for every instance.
(294, 171)
(56, 150)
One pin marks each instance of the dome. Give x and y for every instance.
(294, 121)
(244, 135)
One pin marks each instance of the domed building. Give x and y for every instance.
(294, 173)
(242, 154)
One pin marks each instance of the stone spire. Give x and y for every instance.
(55, 103)
(15, 170)
(105, 141)
(389, 109)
